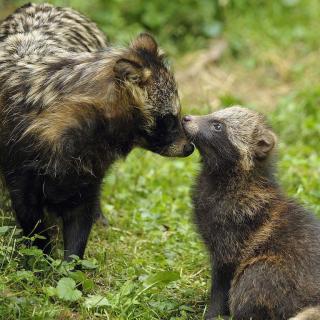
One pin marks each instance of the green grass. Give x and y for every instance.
(150, 263)
(146, 199)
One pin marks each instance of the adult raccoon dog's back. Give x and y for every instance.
(56, 27)
(69, 107)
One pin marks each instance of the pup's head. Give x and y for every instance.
(147, 76)
(234, 137)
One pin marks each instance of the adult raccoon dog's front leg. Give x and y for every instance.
(77, 224)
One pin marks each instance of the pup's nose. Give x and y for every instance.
(186, 118)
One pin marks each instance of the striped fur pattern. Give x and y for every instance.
(70, 105)
(265, 248)
(60, 28)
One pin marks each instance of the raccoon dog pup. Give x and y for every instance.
(264, 248)
(69, 107)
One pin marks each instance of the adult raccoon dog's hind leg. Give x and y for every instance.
(25, 192)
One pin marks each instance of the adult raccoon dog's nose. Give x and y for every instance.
(188, 149)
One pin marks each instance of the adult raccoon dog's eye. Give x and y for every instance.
(170, 122)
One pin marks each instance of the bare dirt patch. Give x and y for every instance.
(209, 77)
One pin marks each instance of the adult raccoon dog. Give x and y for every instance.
(69, 107)
(265, 249)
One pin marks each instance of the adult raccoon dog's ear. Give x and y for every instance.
(132, 71)
(130, 68)
(266, 141)
(145, 42)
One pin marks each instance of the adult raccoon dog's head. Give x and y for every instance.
(231, 138)
(146, 74)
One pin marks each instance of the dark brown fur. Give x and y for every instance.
(265, 248)
(69, 107)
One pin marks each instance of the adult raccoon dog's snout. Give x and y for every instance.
(167, 137)
(177, 144)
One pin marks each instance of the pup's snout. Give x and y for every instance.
(186, 118)
(188, 149)
(190, 126)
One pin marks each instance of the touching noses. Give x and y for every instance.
(186, 118)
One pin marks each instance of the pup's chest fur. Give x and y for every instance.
(226, 214)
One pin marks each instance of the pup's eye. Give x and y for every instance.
(217, 126)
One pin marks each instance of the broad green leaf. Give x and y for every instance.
(80, 277)
(66, 290)
(127, 288)
(33, 251)
(74, 257)
(186, 308)
(4, 230)
(95, 301)
(163, 277)
(24, 275)
(87, 264)
(50, 291)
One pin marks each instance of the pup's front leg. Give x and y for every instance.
(221, 282)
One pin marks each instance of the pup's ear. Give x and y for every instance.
(129, 70)
(265, 144)
(146, 42)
